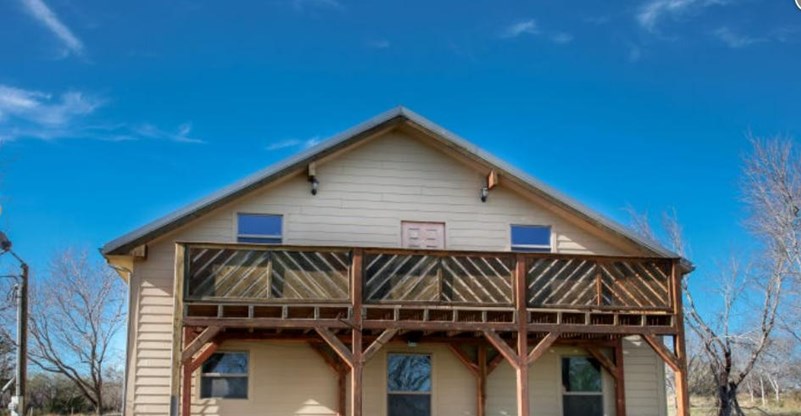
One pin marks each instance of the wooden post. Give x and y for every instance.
(521, 371)
(481, 381)
(679, 349)
(177, 325)
(620, 385)
(357, 366)
(342, 376)
(186, 390)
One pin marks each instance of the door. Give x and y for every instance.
(426, 235)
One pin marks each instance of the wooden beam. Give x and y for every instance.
(177, 326)
(379, 342)
(186, 390)
(333, 364)
(464, 358)
(606, 363)
(662, 351)
(542, 346)
(357, 361)
(503, 348)
(620, 384)
(680, 376)
(204, 354)
(492, 179)
(521, 303)
(265, 323)
(338, 346)
(206, 336)
(481, 381)
(494, 363)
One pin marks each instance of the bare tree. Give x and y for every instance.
(733, 339)
(75, 316)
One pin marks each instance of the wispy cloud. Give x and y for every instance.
(31, 114)
(523, 27)
(735, 40)
(561, 38)
(379, 44)
(41, 12)
(652, 12)
(285, 144)
(302, 5)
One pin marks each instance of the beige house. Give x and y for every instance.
(398, 270)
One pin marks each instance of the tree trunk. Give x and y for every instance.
(762, 390)
(727, 401)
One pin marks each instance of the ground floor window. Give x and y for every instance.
(409, 385)
(582, 387)
(225, 376)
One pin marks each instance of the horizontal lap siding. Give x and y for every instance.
(284, 380)
(364, 195)
(645, 379)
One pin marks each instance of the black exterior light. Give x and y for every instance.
(315, 184)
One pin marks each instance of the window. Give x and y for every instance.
(409, 385)
(582, 388)
(225, 376)
(259, 228)
(532, 238)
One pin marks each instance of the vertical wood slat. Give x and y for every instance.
(521, 371)
(357, 366)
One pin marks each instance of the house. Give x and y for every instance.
(398, 270)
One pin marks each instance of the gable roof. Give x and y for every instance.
(389, 119)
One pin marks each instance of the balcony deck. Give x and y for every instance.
(261, 286)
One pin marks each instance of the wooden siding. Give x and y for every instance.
(364, 195)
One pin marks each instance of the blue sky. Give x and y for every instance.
(114, 113)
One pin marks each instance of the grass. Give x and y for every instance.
(705, 406)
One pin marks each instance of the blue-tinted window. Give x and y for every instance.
(535, 238)
(259, 228)
(225, 375)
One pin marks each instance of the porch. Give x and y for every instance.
(485, 307)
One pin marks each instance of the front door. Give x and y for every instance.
(426, 235)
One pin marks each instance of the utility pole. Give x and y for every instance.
(22, 340)
(17, 405)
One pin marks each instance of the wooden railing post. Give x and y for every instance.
(679, 349)
(177, 326)
(481, 385)
(522, 335)
(357, 366)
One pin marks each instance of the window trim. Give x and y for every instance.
(532, 248)
(246, 376)
(279, 237)
(429, 393)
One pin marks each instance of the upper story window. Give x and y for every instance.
(259, 228)
(225, 376)
(532, 238)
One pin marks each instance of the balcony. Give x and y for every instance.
(257, 286)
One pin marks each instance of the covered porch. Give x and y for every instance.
(484, 308)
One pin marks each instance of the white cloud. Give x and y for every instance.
(379, 44)
(41, 12)
(528, 27)
(736, 40)
(285, 144)
(301, 5)
(653, 11)
(26, 114)
(561, 38)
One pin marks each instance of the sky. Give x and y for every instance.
(115, 113)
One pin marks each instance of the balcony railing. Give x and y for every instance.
(281, 275)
